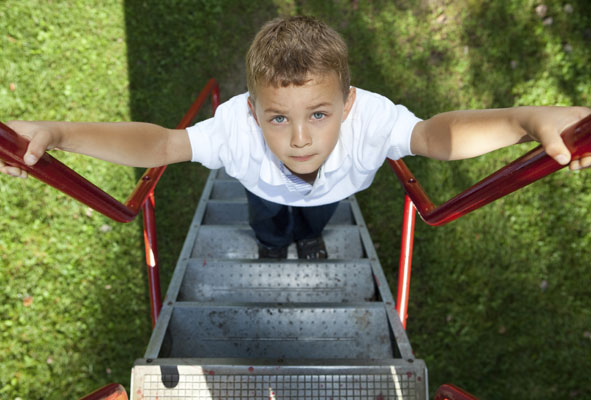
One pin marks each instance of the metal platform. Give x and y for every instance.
(235, 327)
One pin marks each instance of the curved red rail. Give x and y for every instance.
(451, 392)
(527, 169)
(58, 175)
(112, 391)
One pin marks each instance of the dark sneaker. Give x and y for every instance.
(279, 253)
(312, 249)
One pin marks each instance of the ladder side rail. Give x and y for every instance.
(112, 391)
(54, 173)
(527, 169)
(452, 392)
(149, 205)
(408, 231)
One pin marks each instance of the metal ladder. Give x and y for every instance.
(235, 327)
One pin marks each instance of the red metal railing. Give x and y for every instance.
(451, 392)
(527, 169)
(58, 175)
(112, 391)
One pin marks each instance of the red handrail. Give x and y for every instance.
(527, 169)
(112, 391)
(451, 392)
(58, 175)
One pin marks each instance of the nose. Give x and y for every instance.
(300, 137)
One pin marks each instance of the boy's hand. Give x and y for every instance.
(42, 136)
(545, 124)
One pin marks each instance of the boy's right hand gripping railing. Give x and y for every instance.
(56, 174)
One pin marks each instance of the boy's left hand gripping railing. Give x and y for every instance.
(527, 169)
(58, 175)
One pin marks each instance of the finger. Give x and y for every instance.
(39, 143)
(574, 165)
(12, 171)
(554, 146)
(585, 162)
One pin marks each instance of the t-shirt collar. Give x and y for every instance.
(271, 166)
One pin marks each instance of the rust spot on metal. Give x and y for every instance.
(409, 374)
(380, 397)
(376, 279)
(204, 262)
(250, 369)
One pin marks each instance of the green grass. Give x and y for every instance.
(499, 299)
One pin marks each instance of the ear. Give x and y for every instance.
(349, 103)
(252, 109)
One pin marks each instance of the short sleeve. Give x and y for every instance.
(380, 130)
(401, 133)
(231, 139)
(203, 147)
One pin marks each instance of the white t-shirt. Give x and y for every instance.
(375, 129)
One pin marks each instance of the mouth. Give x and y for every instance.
(301, 158)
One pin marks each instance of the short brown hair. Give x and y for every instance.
(286, 50)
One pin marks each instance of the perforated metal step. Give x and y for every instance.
(328, 331)
(271, 282)
(238, 241)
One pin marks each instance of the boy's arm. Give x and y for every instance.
(463, 134)
(129, 143)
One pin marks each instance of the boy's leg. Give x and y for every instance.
(272, 225)
(309, 222)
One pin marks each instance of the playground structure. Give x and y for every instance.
(232, 326)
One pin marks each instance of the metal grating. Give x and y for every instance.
(281, 387)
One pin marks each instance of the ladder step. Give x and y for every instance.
(333, 331)
(285, 282)
(238, 241)
(233, 212)
(167, 380)
(227, 190)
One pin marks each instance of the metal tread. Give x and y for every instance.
(277, 282)
(283, 331)
(238, 241)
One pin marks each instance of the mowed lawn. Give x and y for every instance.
(500, 299)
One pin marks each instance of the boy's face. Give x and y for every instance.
(301, 124)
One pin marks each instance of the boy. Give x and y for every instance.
(302, 138)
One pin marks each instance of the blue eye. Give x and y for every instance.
(318, 115)
(279, 119)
